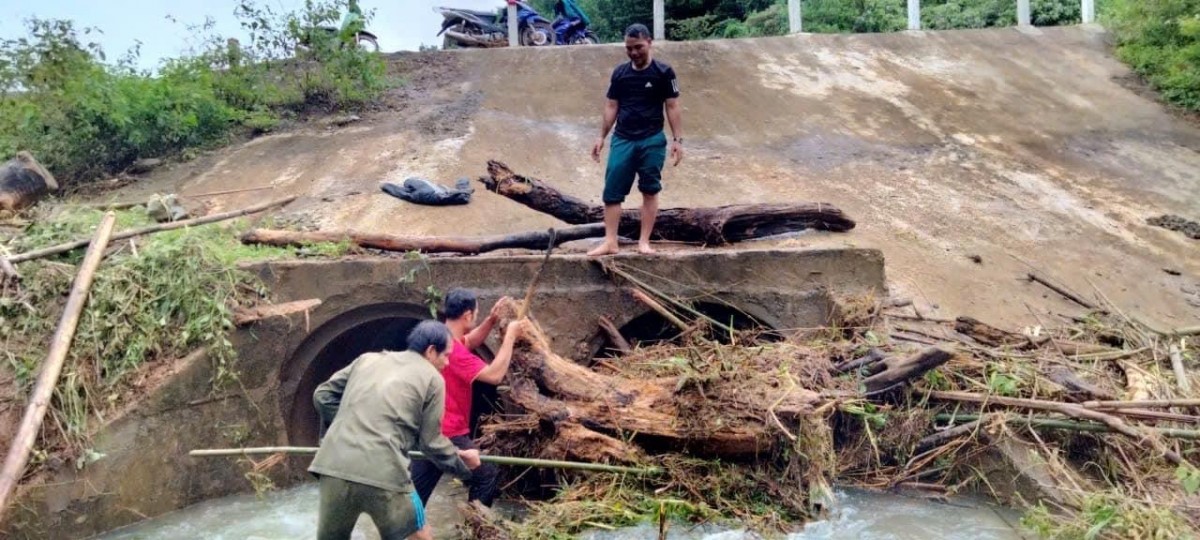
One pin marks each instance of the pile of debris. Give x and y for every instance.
(1087, 427)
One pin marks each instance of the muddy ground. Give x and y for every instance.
(968, 157)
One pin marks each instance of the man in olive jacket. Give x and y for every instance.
(382, 406)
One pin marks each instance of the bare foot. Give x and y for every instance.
(603, 249)
(645, 249)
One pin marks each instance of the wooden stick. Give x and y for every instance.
(653, 304)
(1142, 404)
(498, 460)
(1186, 331)
(1057, 423)
(226, 192)
(1067, 293)
(76, 244)
(469, 245)
(115, 205)
(523, 311)
(614, 335)
(1181, 378)
(244, 316)
(60, 345)
(1068, 409)
(7, 270)
(942, 437)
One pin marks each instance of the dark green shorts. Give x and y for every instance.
(644, 158)
(396, 515)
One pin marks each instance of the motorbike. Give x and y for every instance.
(573, 32)
(470, 28)
(352, 31)
(571, 25)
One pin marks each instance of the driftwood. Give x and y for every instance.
(995, 337)
(892, 372)
(244, 316)
(714, 226)
(425, 244)
(1068, 409)
(1065, 292)
(658, 308)
(73, 245)
(606, 418)
(60, 345)
(614, 335)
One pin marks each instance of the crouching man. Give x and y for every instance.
(381, 407)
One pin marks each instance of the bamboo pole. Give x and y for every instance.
(1181, 378)
(1065, 292)
(498, 460)
(76, 244)
(60, 345)
(653, 304)
(1142, 404)
(1072, 425)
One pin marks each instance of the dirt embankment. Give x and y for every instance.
(967, 157)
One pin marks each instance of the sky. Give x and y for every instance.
(400, 24)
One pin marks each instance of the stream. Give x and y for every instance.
(292, 514)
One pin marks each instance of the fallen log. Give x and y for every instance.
(892, 372)
(614, 335)
(76, 244)
(713, 226)
(47, 380)
(245, 316)
(469, 245)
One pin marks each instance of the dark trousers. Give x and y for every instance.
(483, 485)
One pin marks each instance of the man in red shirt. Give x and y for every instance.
(463, 369)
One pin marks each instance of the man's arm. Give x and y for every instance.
(436, 447)
(494, 373)
(328, 396)
(610, 118)
(675, 118)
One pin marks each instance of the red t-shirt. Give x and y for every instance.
(459, 373)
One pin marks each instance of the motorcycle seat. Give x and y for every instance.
(481, 14)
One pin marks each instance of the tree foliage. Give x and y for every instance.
(84, 117)
(1160, 39)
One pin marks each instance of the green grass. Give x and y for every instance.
(174, 296)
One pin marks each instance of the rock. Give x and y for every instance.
(23, 182)
(341, 120)
(165, 209)
(143, 166)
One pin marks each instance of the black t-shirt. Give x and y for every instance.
(640, 96)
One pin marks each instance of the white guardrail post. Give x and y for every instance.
(660, 20)
(914, 14)
(1024, 14)
(795, 18)
(514, 40)
(1088, 10)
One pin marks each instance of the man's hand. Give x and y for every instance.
(498, 307)
(516, 328)
(597, 148)
(676, 153)
(470, 458)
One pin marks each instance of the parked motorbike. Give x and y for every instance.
(362, 38)
(470, 28)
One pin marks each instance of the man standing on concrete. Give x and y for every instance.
(382, 406)
(462, 370)
(637, 94)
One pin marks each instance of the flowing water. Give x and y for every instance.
(292, 514)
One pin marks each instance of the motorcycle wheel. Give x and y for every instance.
(586, 39)
(367, 43)
(538, 34)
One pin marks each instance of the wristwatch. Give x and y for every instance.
(678, 140)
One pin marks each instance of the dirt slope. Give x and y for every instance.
(997, 143)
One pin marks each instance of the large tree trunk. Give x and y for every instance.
(593, 413)
(23, 182)
(714, 226)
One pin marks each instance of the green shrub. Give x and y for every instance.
(1160, 39)
(84, 117)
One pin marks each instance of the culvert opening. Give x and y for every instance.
(652, 328)
(379, 327)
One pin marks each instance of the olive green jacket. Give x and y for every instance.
(383, 405)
